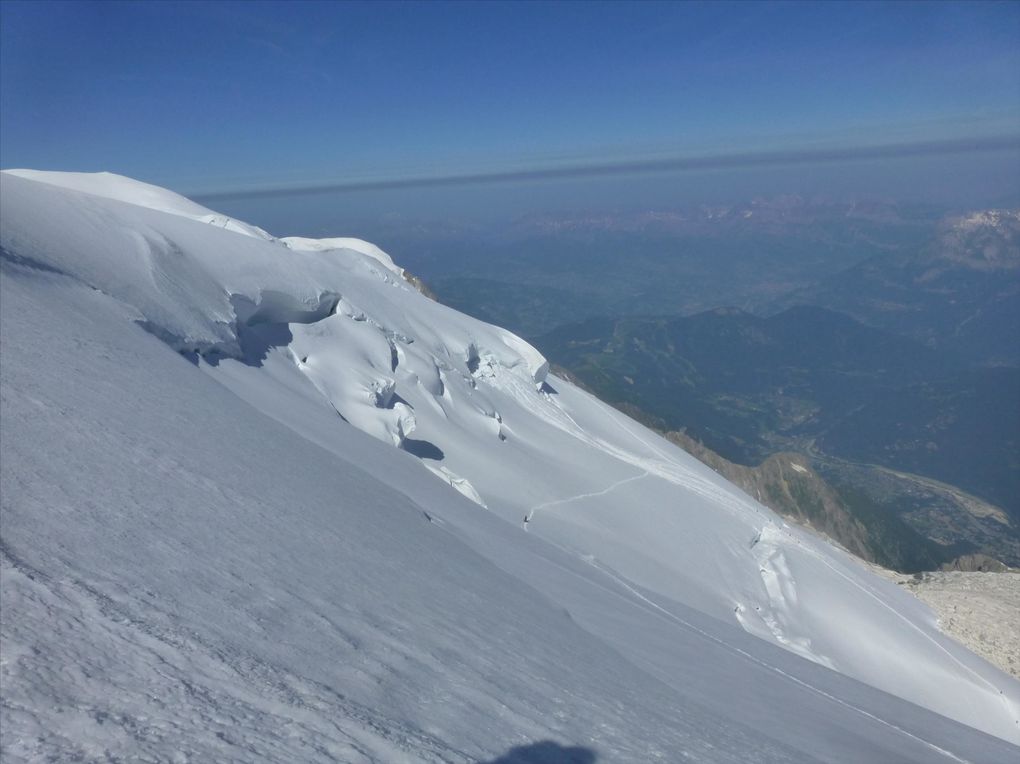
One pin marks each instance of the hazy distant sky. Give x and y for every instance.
(205, 97)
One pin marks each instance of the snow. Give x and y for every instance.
(981, 610)
(995, 219)
(263, 500)
(112, 186)
(358, 245)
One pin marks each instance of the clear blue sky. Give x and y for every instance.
(208, 96)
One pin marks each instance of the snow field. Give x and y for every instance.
(252, 499)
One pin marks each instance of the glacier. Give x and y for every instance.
(263, 500)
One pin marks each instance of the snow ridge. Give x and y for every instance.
(317, 384)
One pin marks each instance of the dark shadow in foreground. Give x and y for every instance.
(546, 752)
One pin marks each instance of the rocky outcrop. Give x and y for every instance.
(979, 610)
(976, 563)
(786, 484)
(420, 285)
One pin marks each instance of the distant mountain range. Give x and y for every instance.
(264, 500)
(546, 270)
(960, 292)
(880, 340)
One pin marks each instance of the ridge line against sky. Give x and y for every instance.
(678, 164)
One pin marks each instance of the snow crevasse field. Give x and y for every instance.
(263, 500)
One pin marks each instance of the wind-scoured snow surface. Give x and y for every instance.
(262, 500)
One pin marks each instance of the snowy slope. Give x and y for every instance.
(143, 194)
(263, 499)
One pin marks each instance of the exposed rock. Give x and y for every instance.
(420, 285)
(786, 484)
(976, 563)
(979, 610)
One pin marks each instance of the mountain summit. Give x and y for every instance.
(263, 499)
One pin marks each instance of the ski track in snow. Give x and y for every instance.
(191, 284)
(873, 595)
(650, 605)
(733, 648)
(669, 471)
(712, 492)
(569, 499)
(666, 469)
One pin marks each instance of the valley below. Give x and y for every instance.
(264, 497)
(886, 362)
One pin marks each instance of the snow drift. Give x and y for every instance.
(263, 499)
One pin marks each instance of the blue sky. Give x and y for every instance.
(204, 96)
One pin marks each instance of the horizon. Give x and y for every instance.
(510, 381)
(452, 109)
